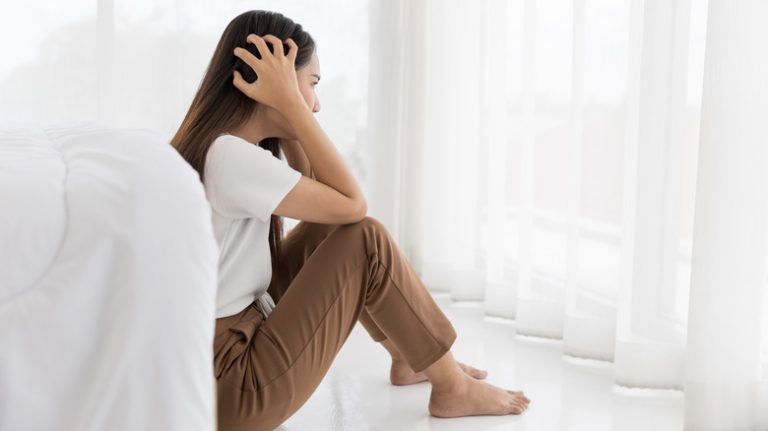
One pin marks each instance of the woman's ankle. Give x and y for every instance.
(446, 375)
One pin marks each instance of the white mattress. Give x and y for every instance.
(107, 283)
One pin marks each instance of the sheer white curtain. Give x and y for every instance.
(727, 367)
(546, 158)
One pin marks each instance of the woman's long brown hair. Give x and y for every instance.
(218, 106)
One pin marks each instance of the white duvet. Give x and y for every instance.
(107, 283)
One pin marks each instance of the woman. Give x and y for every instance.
(285, 307)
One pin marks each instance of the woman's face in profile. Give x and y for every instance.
(308, 77)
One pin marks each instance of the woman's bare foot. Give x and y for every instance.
(401, 373)
(469, 397)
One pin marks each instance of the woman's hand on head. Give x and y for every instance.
(276, 84)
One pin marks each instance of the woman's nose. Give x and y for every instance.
(316, 108)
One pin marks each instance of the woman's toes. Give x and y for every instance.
(519, 399)
(473, 372)
(523, 397)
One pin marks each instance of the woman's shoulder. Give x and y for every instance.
(229, 147)
(225, 141)
(232, 156)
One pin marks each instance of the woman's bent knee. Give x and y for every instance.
(371, 223)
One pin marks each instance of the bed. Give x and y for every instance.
(107, 282)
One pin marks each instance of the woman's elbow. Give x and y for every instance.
(361, 210)
(357, 210)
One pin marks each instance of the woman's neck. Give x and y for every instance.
(264, 123)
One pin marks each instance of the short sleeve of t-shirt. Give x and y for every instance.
(244, 180)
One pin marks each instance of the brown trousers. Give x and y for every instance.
(331, 277)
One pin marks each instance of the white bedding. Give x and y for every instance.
(107, 283)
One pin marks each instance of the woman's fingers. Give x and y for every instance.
(277, 44)
(293, 49)
(260, 44)
(276, 85)
(240, 83)
(248, 58)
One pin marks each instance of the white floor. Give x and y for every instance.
(566, 394)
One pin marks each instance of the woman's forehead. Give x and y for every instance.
(314, 63)
(312, 67)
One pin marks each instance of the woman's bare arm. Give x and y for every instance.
(326, 162)
(312, 199)
(296, 157)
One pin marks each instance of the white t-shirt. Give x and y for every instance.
(244, 184)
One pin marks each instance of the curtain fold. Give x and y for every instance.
(726, 383)
(649, 341)
(552, 171)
